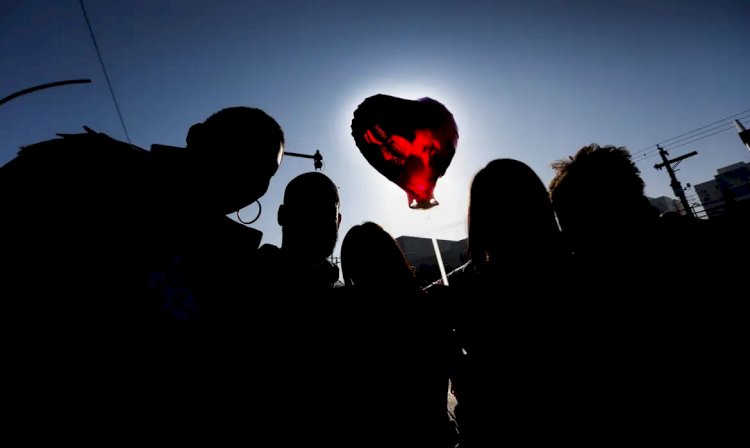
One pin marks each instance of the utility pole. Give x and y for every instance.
(744, 134)
(676, 186)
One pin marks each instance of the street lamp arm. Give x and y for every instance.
(43, 86)
(317, 157)
(297, 154)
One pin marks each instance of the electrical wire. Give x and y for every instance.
(104, 69)
(691, 132)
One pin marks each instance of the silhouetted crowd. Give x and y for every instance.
(582, 316)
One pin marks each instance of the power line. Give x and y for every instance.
(705, 136)
(680, 143)
(104, 69)
(647, 157)
(690, 132)
(731, 124)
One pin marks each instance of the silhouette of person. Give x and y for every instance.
(309, 218)
(401, 344)
(515, 247)
(511, 224)
(598, 195)
(372, 261)
(87, 217)
(289, 333)
(637, 322)
(599, 200)
(511, 221)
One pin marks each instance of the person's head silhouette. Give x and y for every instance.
(372, 260)
(510, 215)
(598, 194)
(232, 157)
(310, 217)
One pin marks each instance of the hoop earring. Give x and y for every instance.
(239, 218)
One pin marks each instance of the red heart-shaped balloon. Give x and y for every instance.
(411, 142)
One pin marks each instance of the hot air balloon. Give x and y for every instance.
(411, 142)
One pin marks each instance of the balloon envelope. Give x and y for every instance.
(411, 142)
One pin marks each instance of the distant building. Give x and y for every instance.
(711, 198)
(665, 204)
(729, 188)
(420, 253)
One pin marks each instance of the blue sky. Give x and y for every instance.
(531, 80)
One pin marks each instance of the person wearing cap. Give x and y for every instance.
(86, 218)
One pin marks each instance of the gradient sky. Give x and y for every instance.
(532, 80)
